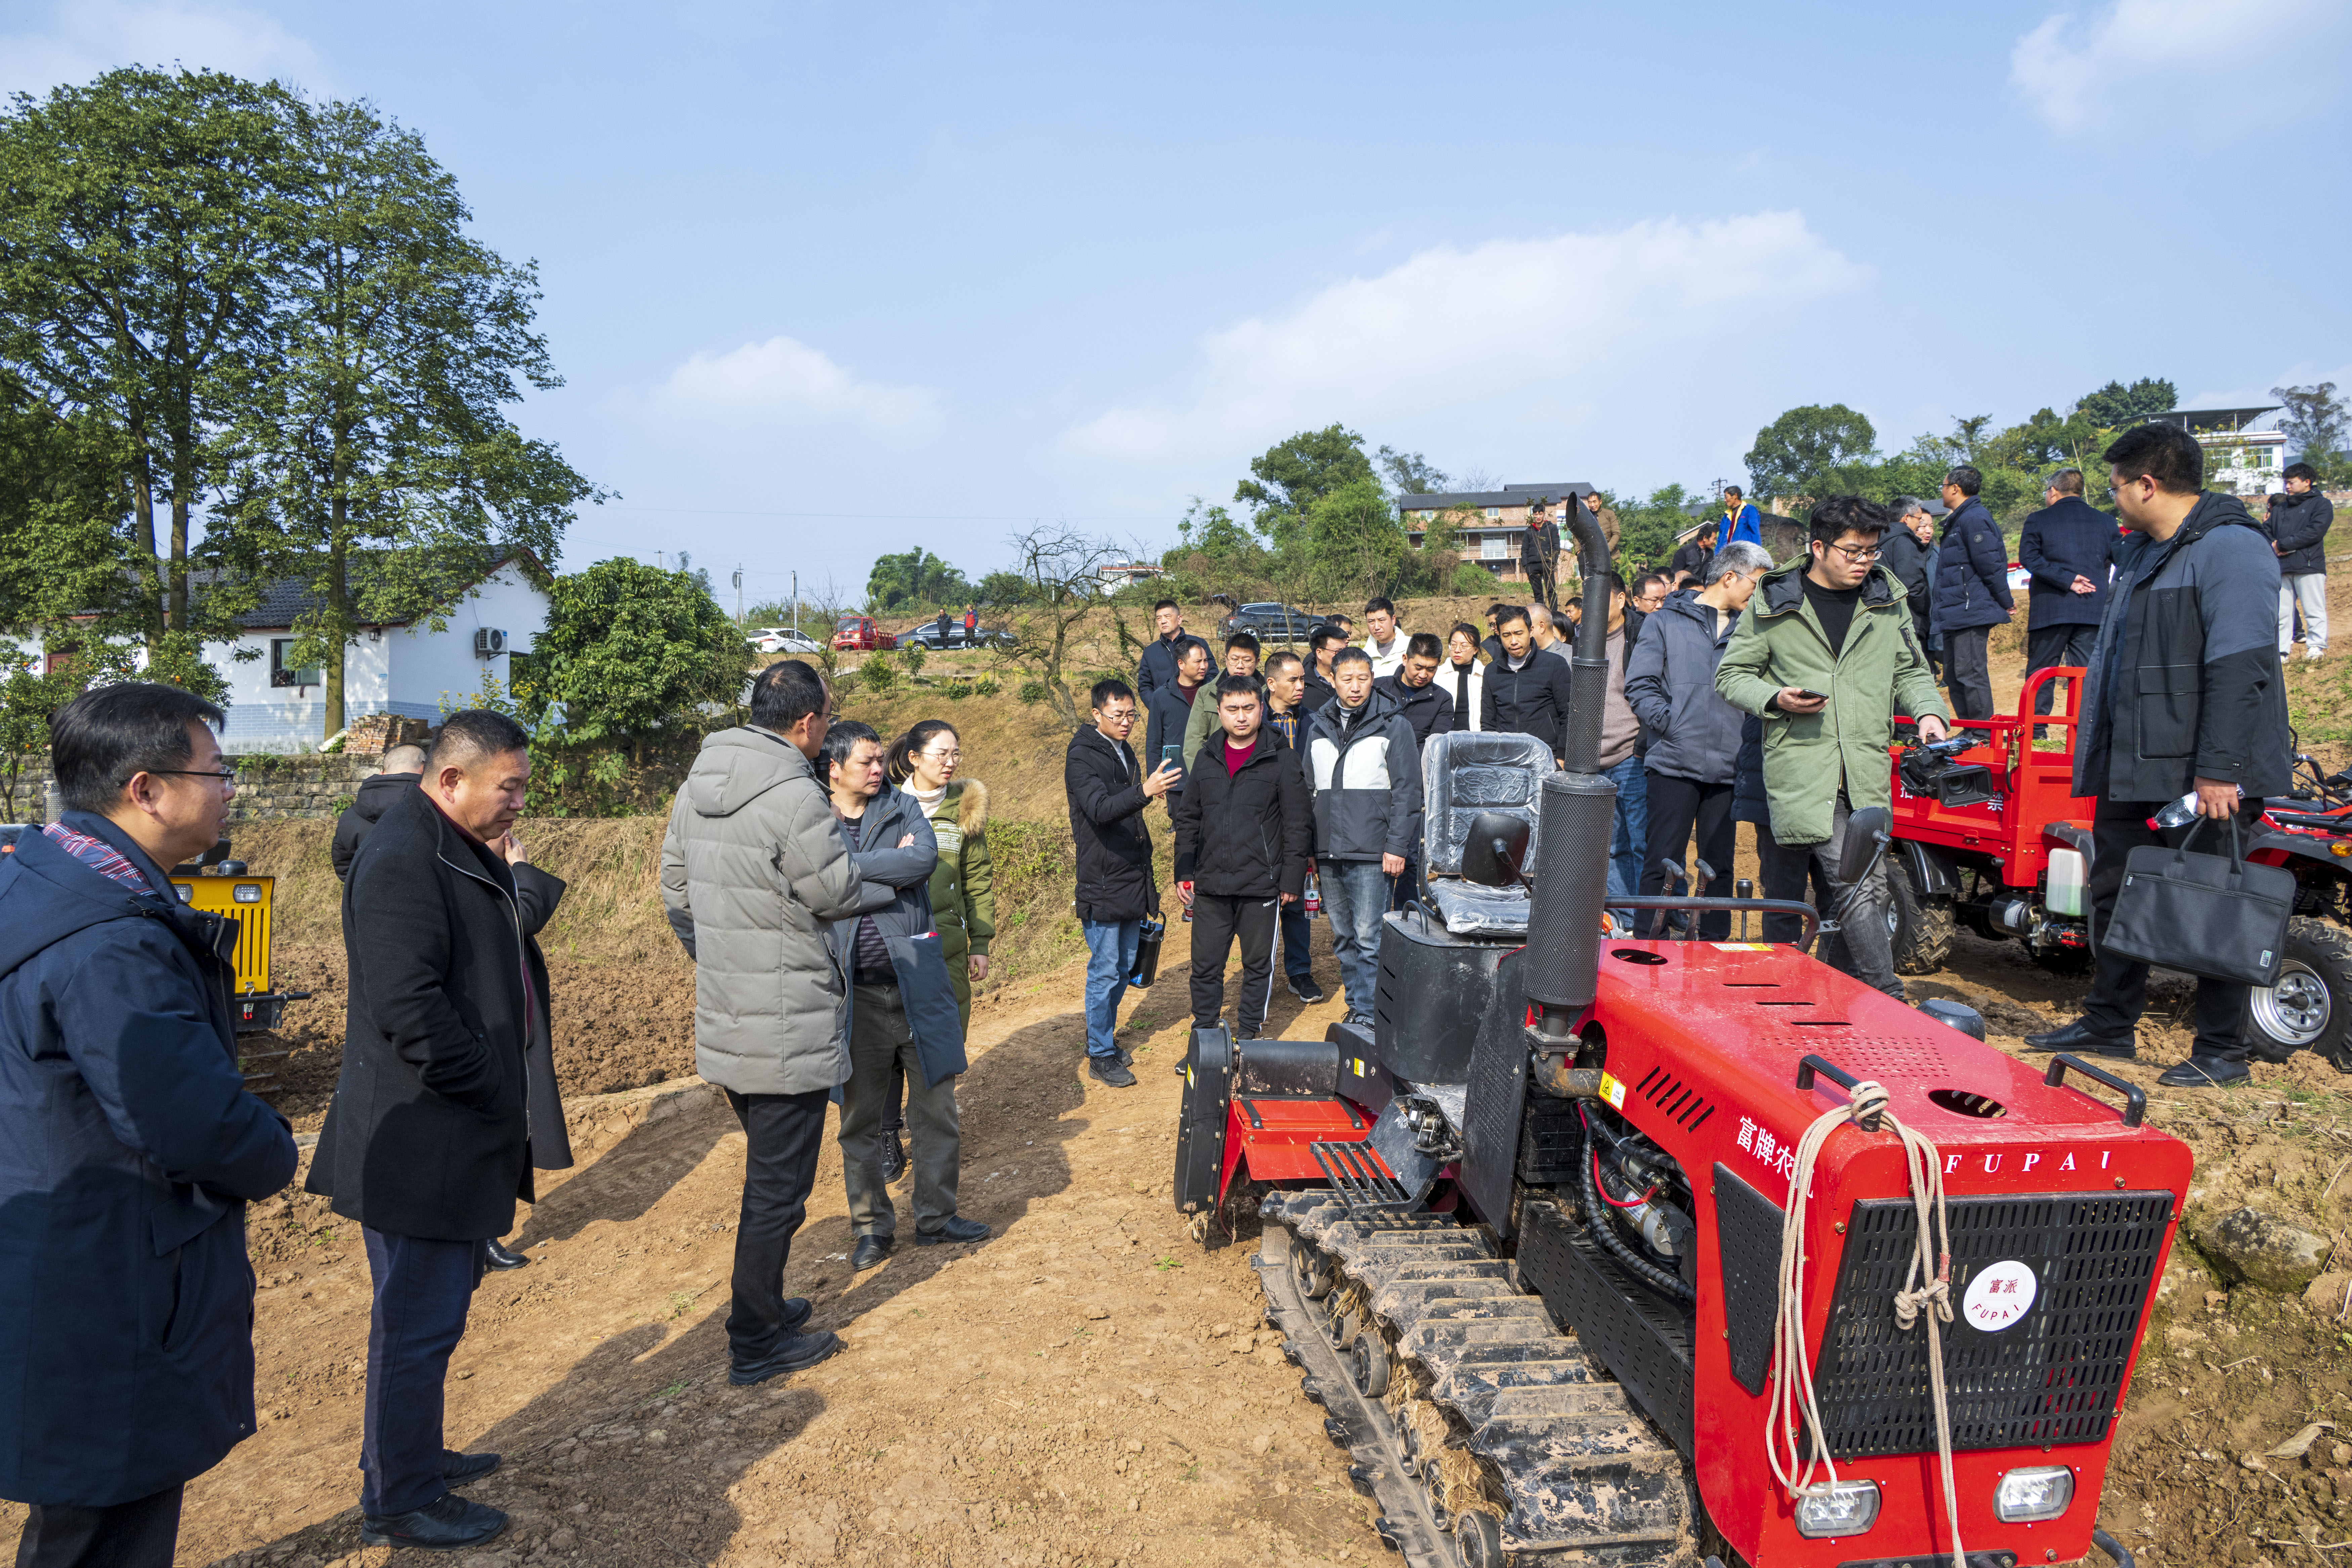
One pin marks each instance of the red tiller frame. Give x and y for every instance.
(2037, 788)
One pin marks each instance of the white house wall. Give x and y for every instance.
(428, 666)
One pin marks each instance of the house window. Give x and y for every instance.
(284, 672)
(1494, 513)
(1491, 547)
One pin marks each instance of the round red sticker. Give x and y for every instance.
(1998, 1296)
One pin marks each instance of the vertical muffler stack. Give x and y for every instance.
(1571, 878)
(1579, 807)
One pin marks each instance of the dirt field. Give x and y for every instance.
(1089, 1387)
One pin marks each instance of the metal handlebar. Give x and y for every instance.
(1809, 915)
(1837, 1074)
(2135, 1098)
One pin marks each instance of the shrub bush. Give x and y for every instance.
(1032, 692)
(985, 689)
(876, 675)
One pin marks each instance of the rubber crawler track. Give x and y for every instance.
(1494, 1432)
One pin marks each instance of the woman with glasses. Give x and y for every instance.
(924, 762)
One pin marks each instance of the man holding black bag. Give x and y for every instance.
(2182, 698)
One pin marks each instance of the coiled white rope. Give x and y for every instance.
(1929, 1286)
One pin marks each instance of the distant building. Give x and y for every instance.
(1118, 575)
(2240, 458)
(1489, 525)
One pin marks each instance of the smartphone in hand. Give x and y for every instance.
(1171, 756)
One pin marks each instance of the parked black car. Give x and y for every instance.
(928, 634)
(1270, 622)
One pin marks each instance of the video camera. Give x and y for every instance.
(1930, 771)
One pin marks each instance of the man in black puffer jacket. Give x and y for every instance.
(1243, 831)
(1111, 853)
(402, 767)
(2301, 519)
(1971, 593)
(2182, 695)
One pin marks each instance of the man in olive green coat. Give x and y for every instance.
(1826, 657)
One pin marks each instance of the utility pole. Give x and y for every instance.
(739, 593)
(796, 601)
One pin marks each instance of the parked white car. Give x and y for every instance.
(782, 639)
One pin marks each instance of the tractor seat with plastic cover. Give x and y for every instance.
(1464, 774)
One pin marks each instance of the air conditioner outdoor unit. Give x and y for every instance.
(488, 642)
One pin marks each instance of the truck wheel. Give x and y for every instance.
(1919, 930)
(2311, 1005)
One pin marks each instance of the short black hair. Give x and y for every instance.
(1242, 639)
(1339, 619)
(1497, 609)
(1348, 654)
(1184, 647)
(1735, 490)
(1617, 584)
(474, 733)
(2303, 471)
(2165, 453)
(842, 739)
(1464, 629)
(1423, 645)
(1965, 478)
(785, 693)
(1324, 633)
(1840, 515)
(1374, 606)
(1166, 605)
(1710, 526)
(1229, 684)
(1511, 612)
(1279, 658)
(101, 740)
(1109, 689)
(1642, 584)
(2067, 482)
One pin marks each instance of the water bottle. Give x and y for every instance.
(2183, 812)
(1313, 895)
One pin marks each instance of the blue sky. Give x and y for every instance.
(831, 279)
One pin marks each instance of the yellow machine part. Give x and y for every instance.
(247, 901)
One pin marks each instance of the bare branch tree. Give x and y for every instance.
(1061, 575)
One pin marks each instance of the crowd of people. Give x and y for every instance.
(833, 889)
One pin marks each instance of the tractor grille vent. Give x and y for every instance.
(2055, 1375)
(1682, 1102)
(1882, 1059)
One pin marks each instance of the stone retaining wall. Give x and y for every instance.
(268, 786)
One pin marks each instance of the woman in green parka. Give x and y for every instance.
(924, 762)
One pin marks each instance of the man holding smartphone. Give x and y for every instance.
(1826, 655)
(1112, 857)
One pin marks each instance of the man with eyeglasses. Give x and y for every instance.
(1971, 592)
(1825, 656)
(1112, 856)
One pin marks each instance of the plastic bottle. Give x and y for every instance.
(2183, 812)
(1314, 899)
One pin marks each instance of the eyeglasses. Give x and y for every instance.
(1859, 555)
(1117, 715)
(946, 756)
(227, 775)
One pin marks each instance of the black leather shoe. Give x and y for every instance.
(2204, 1072)
(793, 1353)
(1109, 1070)
(893, 1155)
(458, 1468)
(868, 1253)
(2078, 1038)
(447, 1523)
(796, 1312)
(501, 1257)
(957, 1231)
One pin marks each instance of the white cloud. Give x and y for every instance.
(2151, 60)
(1513, 334)
(785, 385)
(85, 37)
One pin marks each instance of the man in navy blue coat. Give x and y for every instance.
(1971, 593)
(2069, 546)
(128, 1145)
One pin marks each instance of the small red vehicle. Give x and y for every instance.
(1989, 833)
(858, 633)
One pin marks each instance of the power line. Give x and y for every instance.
(873, 516)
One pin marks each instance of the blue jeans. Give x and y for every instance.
(1628, 836)
(1298, 942)
(422, 1292)
(1356, 895)
(1111, 945)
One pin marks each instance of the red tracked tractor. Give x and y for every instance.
(1524, 1236)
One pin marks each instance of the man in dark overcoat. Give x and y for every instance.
(427, 1141)
(2069, 546)
(128, 1145)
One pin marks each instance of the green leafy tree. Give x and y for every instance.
(1002, 590)
(915, 578)
(2116, 405)
(1646, 527)
(2315, 421)
(1293, 475)
(138, 238)
(635, 653)
(1793, 452)
(1355, 541)
(1410, 473)
(370, 454)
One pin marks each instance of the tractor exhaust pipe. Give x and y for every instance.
(1578, 812)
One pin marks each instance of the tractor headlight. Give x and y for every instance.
(2025, 1496)
(1843, 1508)
(248, 893)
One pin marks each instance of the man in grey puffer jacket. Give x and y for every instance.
(754, 868)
